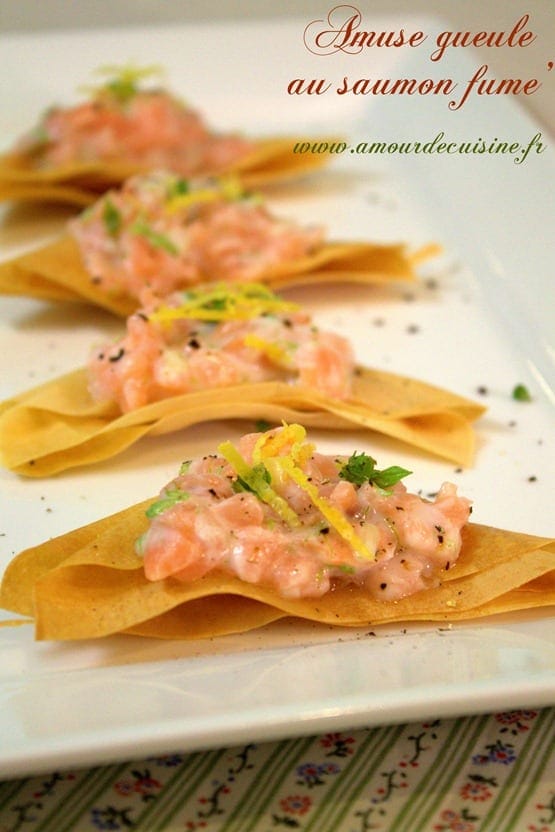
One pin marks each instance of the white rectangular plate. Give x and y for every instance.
(479, 319)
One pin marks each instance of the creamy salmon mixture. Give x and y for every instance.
(217, 337)
(160, 232)
(122, 122)
(272, 510)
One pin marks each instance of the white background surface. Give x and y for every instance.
(488, 323)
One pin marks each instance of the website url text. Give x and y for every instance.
(438, 145)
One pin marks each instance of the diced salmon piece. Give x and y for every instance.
(147, 240)
(221, 522)
(156, 359)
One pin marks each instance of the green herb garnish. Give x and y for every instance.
(111, 218)
(124, 81)
(521, 393)
(342, 567)
(223, 302)
(257, 476)
(140, 545)
(215, 304)
(170, 498)
(143, 229)
(178, 187)
(361, 468)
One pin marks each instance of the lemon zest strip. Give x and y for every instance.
(333, 515)
(225, 303)
(228, 189)
(261, 488)
(277, 355)
(271, 445)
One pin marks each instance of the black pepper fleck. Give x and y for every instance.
(120, 353)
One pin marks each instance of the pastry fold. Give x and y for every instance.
(89, 583)
(58, 425)
(56, 271)
(80, 183)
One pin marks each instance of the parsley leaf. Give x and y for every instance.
(389, 476)
(361, 468)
